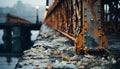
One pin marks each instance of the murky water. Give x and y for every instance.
(8, 61)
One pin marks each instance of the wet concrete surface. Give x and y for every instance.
(53, 51)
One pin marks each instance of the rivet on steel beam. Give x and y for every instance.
(92, 20)
(85, 31)
(99, 11)
(85, 28)
(82, 34)
(99, 35)
(85, 15)
(85, 8)
(99, 28)
(99, 19)
(98, 4)
(85, 20)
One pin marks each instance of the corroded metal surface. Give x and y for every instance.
(83, 21)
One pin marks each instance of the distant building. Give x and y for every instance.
(3, 13)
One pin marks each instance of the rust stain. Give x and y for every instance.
(79, 43)
(85, 50)
(104, 42)
(85, 4)
(91, 7)
(86, 25)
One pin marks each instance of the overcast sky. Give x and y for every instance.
(33, 3)
(10, 3)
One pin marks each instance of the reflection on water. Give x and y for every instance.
(1, 34)
(8, 61)
(14, 44)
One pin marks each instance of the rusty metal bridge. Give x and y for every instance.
(85, 21)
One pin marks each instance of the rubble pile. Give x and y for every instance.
(53, 51)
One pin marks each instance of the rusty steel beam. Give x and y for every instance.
(82, 21)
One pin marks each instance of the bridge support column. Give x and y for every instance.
(21, 39)
(7, 39)
(26, 41)
(17, 39)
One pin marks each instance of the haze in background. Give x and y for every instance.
(24, 9)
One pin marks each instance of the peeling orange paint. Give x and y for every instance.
(104, 42)
(86, 25)
(79, 42)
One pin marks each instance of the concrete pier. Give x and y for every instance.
(17, 37)
(7, 39)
